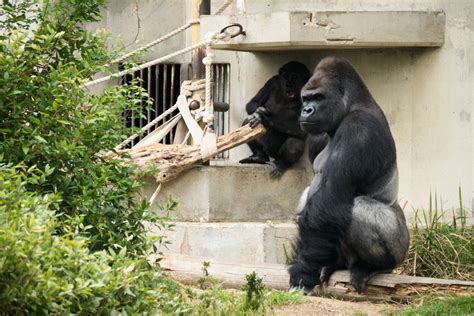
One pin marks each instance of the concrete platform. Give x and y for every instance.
(331, 29)
(236, 193)
(242, 242)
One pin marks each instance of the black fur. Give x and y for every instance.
(277, 106)
(351, 218)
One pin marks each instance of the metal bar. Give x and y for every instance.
(165, 97)
(149, 94)
(172, 132)
(157, 90)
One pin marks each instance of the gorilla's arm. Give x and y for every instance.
(262, 95)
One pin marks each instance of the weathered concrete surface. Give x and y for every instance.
(139, 22)
(234, 193)
(242, 242)
(331, 29)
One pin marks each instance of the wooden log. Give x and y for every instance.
(173, 159)
(381, 288)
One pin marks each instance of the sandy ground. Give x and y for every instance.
(325, 306)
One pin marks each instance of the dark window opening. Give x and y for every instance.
(163, 83)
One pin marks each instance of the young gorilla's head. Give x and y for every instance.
(326, 95)
(293, 76)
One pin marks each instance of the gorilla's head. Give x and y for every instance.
(328, 95)
(293, 76)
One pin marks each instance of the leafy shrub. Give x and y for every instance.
(72, 236)
(48, 120)
(442, 244)
(42, 272)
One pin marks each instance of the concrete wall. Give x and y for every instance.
(426, 93)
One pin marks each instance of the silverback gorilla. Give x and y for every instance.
(277, 106)
(350, 217)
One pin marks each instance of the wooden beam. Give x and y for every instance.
(381, 288)
(173, 159)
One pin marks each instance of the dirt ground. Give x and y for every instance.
(325, 306)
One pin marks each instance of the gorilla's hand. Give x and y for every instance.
(259, 116)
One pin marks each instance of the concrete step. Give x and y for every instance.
(235, 193)
(243, 242)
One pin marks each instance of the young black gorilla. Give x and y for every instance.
(277, 106)
(349, 216)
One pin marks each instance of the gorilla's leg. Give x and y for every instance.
(258, 151)
(288, 154)
(377, 240)
(327, 271)
(315, 250)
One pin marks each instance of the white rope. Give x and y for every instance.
(157, 41)
(214, 38)
(208, 117)
(155, 194)
(224, 6)
(147, 127)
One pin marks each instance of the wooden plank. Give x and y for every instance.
(158, 134)
(192, 125)
(381, 288)
(188, 269)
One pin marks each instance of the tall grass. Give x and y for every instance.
(442, 243)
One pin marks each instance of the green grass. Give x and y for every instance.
(442, 244)
(441, 306)
(280, 298)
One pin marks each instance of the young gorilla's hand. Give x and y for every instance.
(259, 116)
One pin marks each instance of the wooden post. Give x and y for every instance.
(199, 7)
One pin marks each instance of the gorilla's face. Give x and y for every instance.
(291, 82)
(323, 106)
(293, 76)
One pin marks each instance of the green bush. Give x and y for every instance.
(42, 272)
(47, 119)
(72, 238)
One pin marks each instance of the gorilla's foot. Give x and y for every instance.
(359, 277)
(306, 290)
(279, 169)
(326, 273)
(277, 173)
(255, 159)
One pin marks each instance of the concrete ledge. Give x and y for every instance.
(234, 193)
(331, 29)
(239, 242)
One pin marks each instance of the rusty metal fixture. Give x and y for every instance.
(240, 30)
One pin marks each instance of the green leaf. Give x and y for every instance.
(25, 147)
(40, 139)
